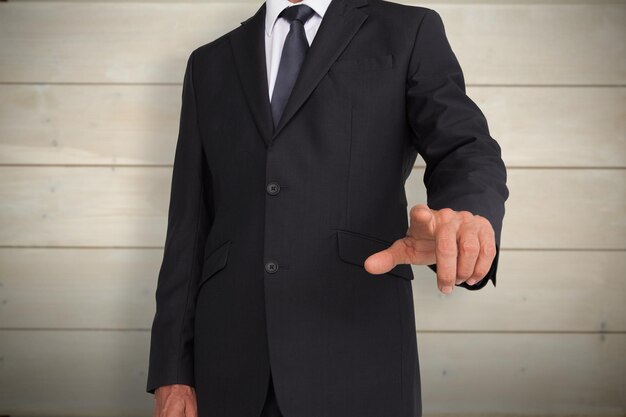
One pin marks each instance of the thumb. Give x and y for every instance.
(387, 259)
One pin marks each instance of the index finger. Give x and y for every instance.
(446, 252)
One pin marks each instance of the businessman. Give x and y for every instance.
(285, 286)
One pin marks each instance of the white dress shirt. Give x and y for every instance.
(276, 32)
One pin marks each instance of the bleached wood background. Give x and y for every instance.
(89, 106)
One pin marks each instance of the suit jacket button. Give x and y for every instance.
(273, 188)
(271, 267)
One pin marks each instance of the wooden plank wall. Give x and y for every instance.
(89, 106)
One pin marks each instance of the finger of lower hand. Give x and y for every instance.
(469, 249)
(486, 255)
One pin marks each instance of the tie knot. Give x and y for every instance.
(301, 12)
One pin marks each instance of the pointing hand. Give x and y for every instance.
(462, 245)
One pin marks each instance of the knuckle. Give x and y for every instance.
(446, 214)
(490, 250)
(446, 247)
(485, 222)
(470, 246)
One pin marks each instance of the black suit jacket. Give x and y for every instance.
(268, 228)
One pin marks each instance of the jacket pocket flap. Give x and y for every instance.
(355, 248)
(215, 261)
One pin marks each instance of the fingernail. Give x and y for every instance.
(458, 281)
(447, 289)
(471, 281)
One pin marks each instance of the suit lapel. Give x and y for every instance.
(340, 23)
(248, 46)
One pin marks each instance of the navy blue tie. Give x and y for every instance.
(292, 57)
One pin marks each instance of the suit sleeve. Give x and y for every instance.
(464, 168)
(190, 211)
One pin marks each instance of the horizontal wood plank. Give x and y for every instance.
(138, 124)
(114, 289)
(74, 373)
(131, 42)
(88, 124)
(111, 288)
(547, 291)
(127, 206)
(486, 374)
(530, 374)
(557, 208)
(556, 127)
(93, 206)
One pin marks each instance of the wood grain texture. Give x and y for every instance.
(557, 208)
(89, 105)
(538, 290)
(547, 291)
(466, 374)
(138, 124)
(532, 374)
(127, 206)
(93, 42)
(102, 288)
(74, 373)
(84, 206)
(88, 124)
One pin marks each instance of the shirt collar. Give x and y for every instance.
(274, 7)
